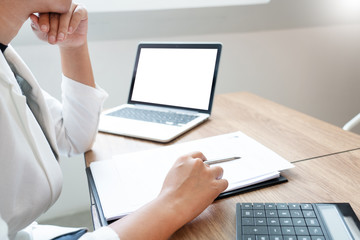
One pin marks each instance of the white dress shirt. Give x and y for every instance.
(31, 139)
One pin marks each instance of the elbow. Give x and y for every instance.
(78, 144)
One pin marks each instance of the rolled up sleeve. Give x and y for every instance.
(77, 117)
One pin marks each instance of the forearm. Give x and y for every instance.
(157, 220)
(76, 64)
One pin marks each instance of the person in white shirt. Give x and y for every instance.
(35, 128)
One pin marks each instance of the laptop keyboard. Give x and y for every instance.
(280, 221)
(170, 118)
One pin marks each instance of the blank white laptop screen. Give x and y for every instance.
(175, 77)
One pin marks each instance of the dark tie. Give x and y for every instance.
(26, 90)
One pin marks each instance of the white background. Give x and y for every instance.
(141, 5)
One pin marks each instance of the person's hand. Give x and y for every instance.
(68, 30)
(188, 189)
(193, 185)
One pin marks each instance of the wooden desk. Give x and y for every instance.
(293, 135)
(316, 180)
(316, 147)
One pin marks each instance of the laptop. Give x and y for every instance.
(171, 92)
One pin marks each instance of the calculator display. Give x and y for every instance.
(334, 222)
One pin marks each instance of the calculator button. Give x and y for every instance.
(274, 230)
(281, 206)
(288, 230)
(264, 237)
(249, 230)
(289, 237)
(270, 206)
(285, 221)
(283, 213)
(312, 222)
(247, 221)
(318, 238)
(301, 231)
(259, 213)
(246, 206)
(294, 206)
(276, 238)
(271, 213)
(249, 237)
(247, 213)
(273, 221)
(260, 221)
(258, 206)
(315, 231)
(309, 213)
(304, 238)
(306, 206)
(295, 213)
(299, 222)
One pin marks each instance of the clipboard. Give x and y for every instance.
(256, 166)
(103, 222)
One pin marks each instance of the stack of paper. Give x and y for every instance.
(128, 181)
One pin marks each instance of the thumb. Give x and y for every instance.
(34, 22)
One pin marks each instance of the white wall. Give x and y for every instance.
(309, 64)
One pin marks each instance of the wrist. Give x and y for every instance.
(172, 211)
(74, 49)
(162, 214)
(76, 64)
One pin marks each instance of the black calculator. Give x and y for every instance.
(296, 221)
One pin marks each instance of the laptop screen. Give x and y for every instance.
(178, 75)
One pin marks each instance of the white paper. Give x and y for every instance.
(128, 181)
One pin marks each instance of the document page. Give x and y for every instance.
(128, 181)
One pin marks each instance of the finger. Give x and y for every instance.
(34, 22)
(54, 25)
(78, 15)
(63, 26)
(222, 184)
(217, 172)
(198, 155)
(44, 22)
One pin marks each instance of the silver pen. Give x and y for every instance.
(221, 160)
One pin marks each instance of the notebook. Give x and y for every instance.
(171, 92)
(126, 182)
